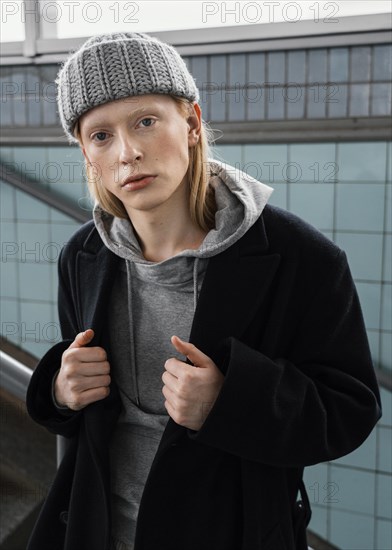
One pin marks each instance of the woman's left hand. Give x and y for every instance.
(190, 392)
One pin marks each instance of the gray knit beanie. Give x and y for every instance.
(117, 65)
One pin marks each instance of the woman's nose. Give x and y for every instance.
(130, 151)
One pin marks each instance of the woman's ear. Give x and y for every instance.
(194, 123)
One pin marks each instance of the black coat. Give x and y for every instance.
(279, 315)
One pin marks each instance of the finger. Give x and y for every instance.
(88, 370)
(87, 355)
(93, 382)
(176, 368)
(87, 397)
(198, 358)
(82, 339)
(170, 380)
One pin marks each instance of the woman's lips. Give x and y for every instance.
(138, 183)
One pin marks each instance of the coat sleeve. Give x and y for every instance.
(39, 401)
(317, 403)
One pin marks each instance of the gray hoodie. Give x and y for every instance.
(150, 302)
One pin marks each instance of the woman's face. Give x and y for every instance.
(139, 147)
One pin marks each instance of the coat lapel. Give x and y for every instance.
(95, 271)
(235, 285)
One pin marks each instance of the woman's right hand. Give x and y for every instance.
(84, 376)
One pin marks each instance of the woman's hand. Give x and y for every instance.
(190, 391)
(84, 376)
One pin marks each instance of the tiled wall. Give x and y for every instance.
(344, 190)
(296, 84)
(32, 235)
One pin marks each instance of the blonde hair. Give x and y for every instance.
(202, 205)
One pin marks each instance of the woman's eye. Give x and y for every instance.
(99, 136)
(146, 122)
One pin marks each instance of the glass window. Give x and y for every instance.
(276, 67)
(317, 66)
(359, 100)
(382, 62)
(338, 65)
(296, 66)
(360, 64)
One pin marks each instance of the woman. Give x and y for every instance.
(213, 345)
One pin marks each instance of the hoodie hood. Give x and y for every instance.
(240, 200)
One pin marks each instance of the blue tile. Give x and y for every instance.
(316, 160)
(9, 244)
(65, 164)
(7, 201)
(58, 217)
(60, 233)
(386, 402)
(10, 319)
(272, 160)
(386, 351)
(383, 535)
(28, 208)
(35, 282)
(370, 297)
(9, 279)
(384, 455)
(388, 207)
(359, 100)
(387, 260)
(384, 496)
(314, 202)
(351, 531)
(360, 207)
(386, 307)
(6, 154)
(374, 344)
(364, 161)
(363, 266)
(363, 457)
(279, 196)
(32, 239)
(316, 480)
(355, 489)
(36, 321)
(230, 154)
(31, 161)
(319, 521)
